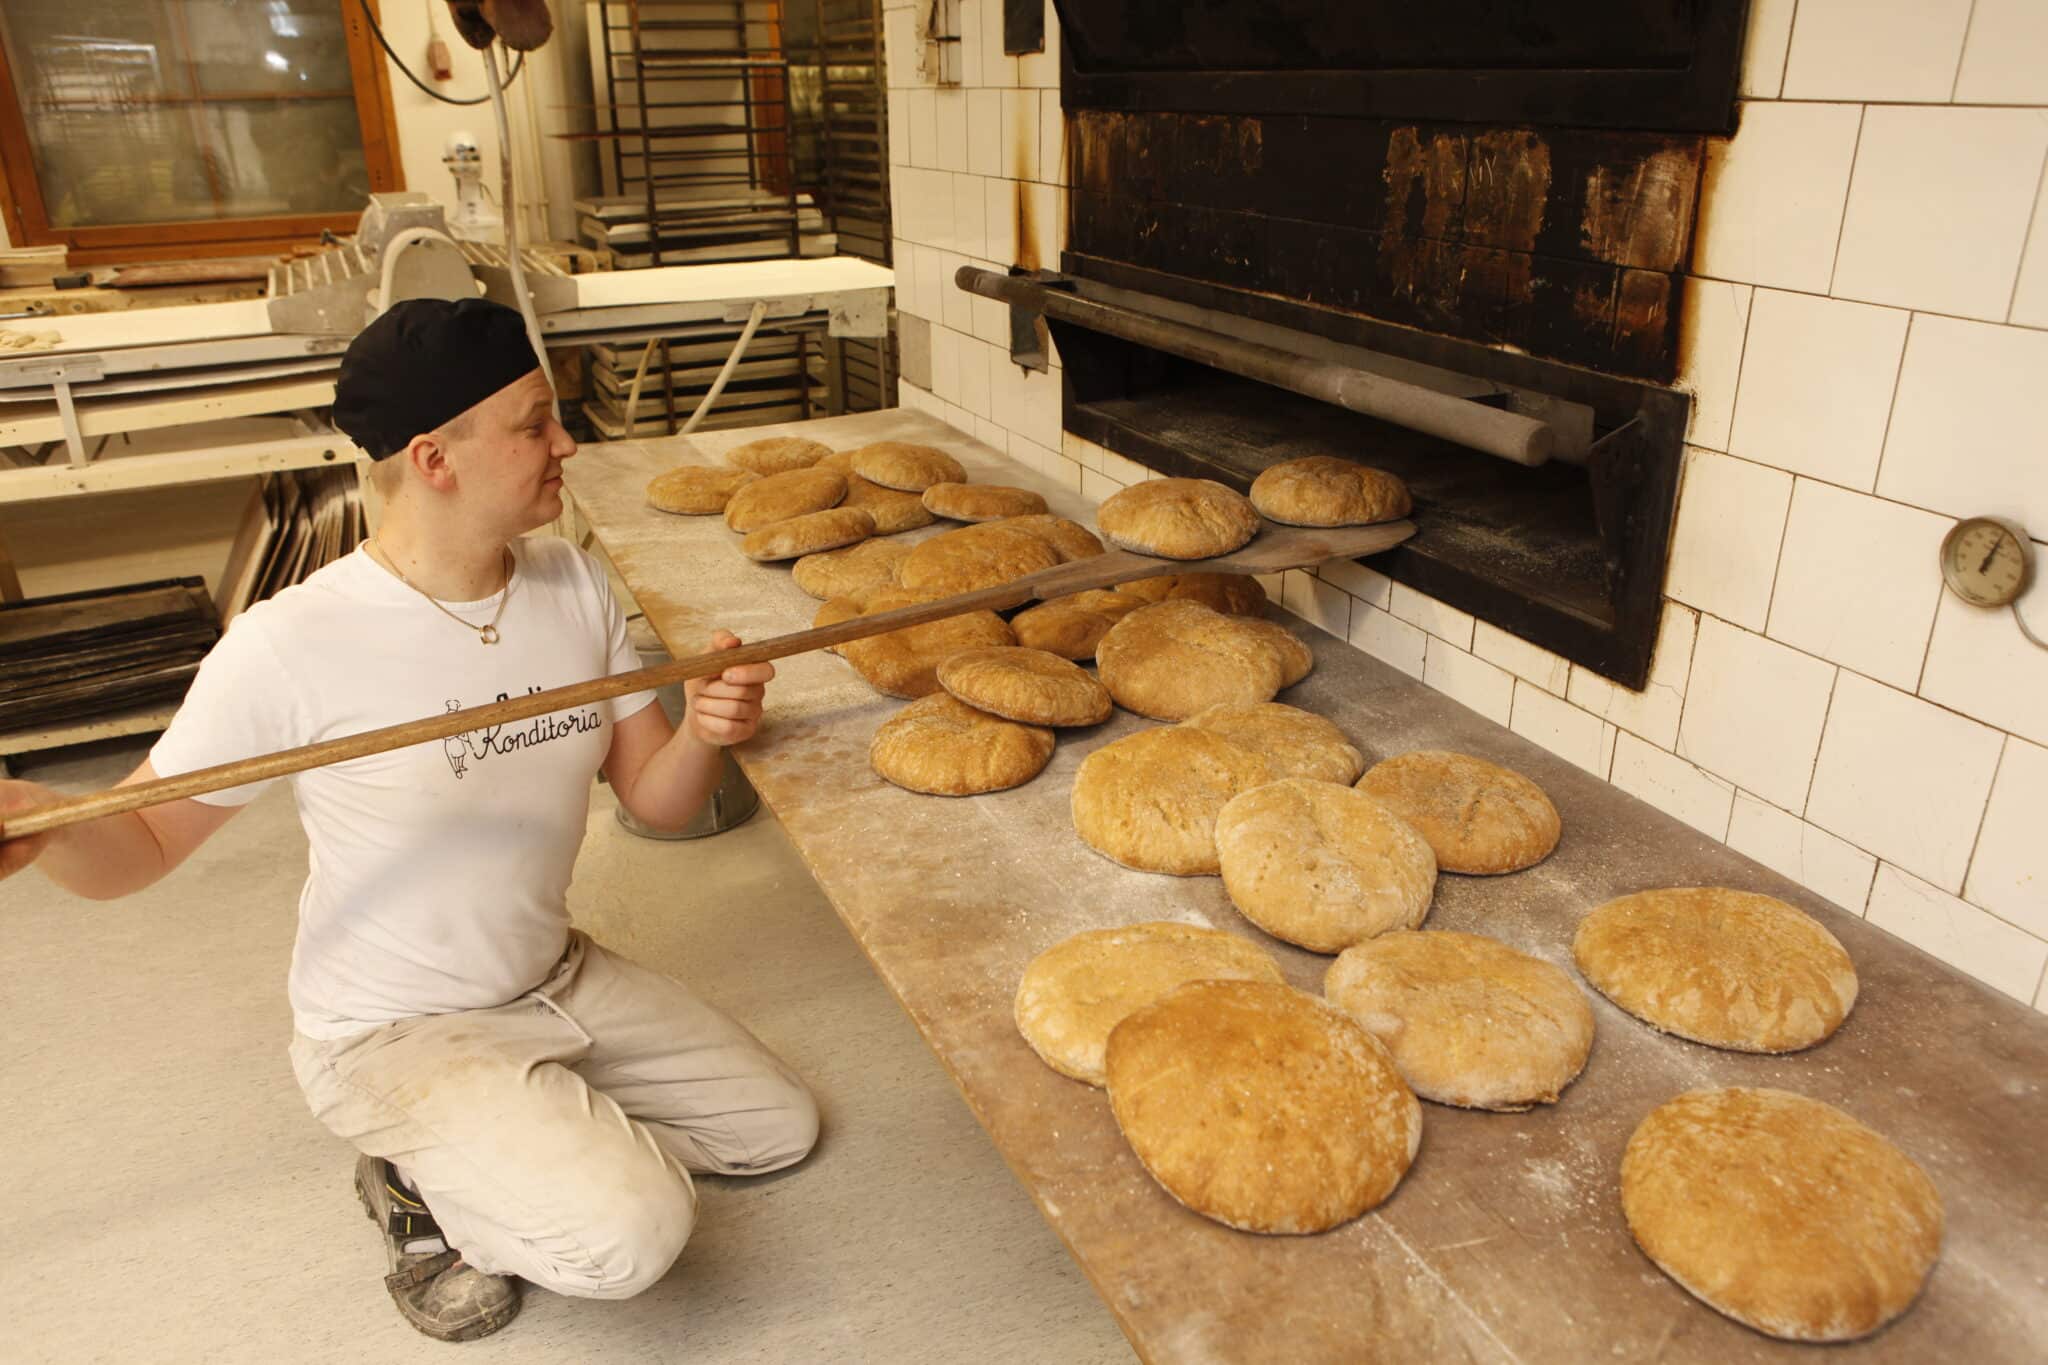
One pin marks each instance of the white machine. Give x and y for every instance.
(474, 220)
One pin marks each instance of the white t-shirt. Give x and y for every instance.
(439, 872)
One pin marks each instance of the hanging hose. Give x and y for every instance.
(509, 211)
(759, 311)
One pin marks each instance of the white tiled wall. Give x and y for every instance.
(1867, 344)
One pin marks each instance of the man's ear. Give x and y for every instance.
(428, 457)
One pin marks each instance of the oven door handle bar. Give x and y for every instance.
(1508, 435)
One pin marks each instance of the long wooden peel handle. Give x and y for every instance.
(120, 800)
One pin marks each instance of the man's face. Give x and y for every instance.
(508, 457)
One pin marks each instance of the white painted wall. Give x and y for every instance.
(1866, 342)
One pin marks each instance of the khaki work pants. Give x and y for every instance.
(553, 1137)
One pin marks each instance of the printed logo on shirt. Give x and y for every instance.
(478, 745)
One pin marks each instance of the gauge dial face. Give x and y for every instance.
(1984, 562)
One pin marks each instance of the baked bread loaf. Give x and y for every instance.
(1150, 800)
(696, 490)
(905, 663)
(1233, 594)
(778, 497)
(1323, 490)
(1178, 518)
(808, 534)
(1321, 865)
(834, 573)
(944, 747)
(1469, 1020)
(894, 512)
(777, 454)
(1026, 685)
(902, 465)
(974, 557)
(1070, 539)
(1073, 625)
(980, 501)
(1174, 658)
(1478, 816)
(1294, 742)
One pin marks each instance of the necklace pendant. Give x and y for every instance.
(489, 635)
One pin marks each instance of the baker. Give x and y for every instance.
(527, 1105)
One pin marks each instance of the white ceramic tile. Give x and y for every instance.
(1124, 471)
(905, 255)
(1042, 229)
(970, 227)
(998, 68)
(954, 305)
(1808, 854)
(959, 418)
(975, 355)
(1388, 638)
(991, 318)
(926, 209)
(1577, 736)
(1771, 202)
(1856, 584)
(1816, 385)
(999, 218)
(1715, 318)
(1052, 141)
(899, 127)
(2009, 874)
(1980, 665)
(1367, 585)
(1672, 785)
(1939, 206)
(1020, 134)
(2030, 295)
(1034, 455)
(1965, 435)
(1469, 680)
(1753, 712)
(1957, 932)
(1097, 486)
(971, 21)
(1532, 662)
(1026, 402)
(900, 48)
(985, 132)
(1875, 49)
(1081, 450)
(2005, 59)
(946, 365)
(931, 282)
(1724, 549)
(1271, 583)
(1042, 68)
(1445, 622)
(1763, 48)
(1653, 712)
(923, 110)
(951, 145)
(1326, 608)
(1903, 779)
(992, 433)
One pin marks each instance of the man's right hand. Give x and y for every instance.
(19, 798)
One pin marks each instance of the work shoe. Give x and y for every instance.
(435, 1290)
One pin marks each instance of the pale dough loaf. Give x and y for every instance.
(1150, 800)
(834, 573)
(1323, 490)
(696, 490)
(1731, 969)
(1178, 518)
(808, 534)
(1469, 1020)
(1079, 989)
(1321, 865)
(902, 465)
(778, 497)
(1294, 742)
(777, 454)
(1027, 685)
(1261, 1107)
(1174, 658)
(1478, 816)
(980, 501)
(1072, 626)
(943, 747)
(1782, 1212)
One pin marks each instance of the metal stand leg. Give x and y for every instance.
(732, 803)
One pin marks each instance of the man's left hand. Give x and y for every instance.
(726, 709)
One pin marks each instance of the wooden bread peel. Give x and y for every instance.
(1275, 548)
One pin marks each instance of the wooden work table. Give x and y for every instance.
(1506, 1241)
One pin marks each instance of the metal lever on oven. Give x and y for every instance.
(1508, 435)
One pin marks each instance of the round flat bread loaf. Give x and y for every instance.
(901, 465)
(894, 512)
(1070, 538)
(696, 490)
(839, 462)
(1478, 816)
(834, 573)
(1150, 800)
(905, 663)
(1780, 1211)
(1233, 594)
(777, 454)
(974, 557)
(1731, 969)
(808, 534)
(1469, 1020)
(1323, 490)
(1178, 518)
(1174, 658)
(1079, 989)
(1027, 685)
(980, 501)
(1072, 626)
(778, 497)
(1294, 742)
(1321, 865)
(944, 747)
(860, 602)
(1258, 1106)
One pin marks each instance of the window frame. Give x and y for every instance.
(27, 217)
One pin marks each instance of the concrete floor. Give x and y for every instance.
(172, 1200)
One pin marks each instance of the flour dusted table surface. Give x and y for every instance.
(1505, 1242)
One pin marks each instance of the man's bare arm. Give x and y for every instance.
(111, 857)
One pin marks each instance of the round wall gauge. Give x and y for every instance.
(1985, 562)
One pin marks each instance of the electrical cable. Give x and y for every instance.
(518, 65)
(509, 215)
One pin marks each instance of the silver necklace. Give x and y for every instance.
(487, 633)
